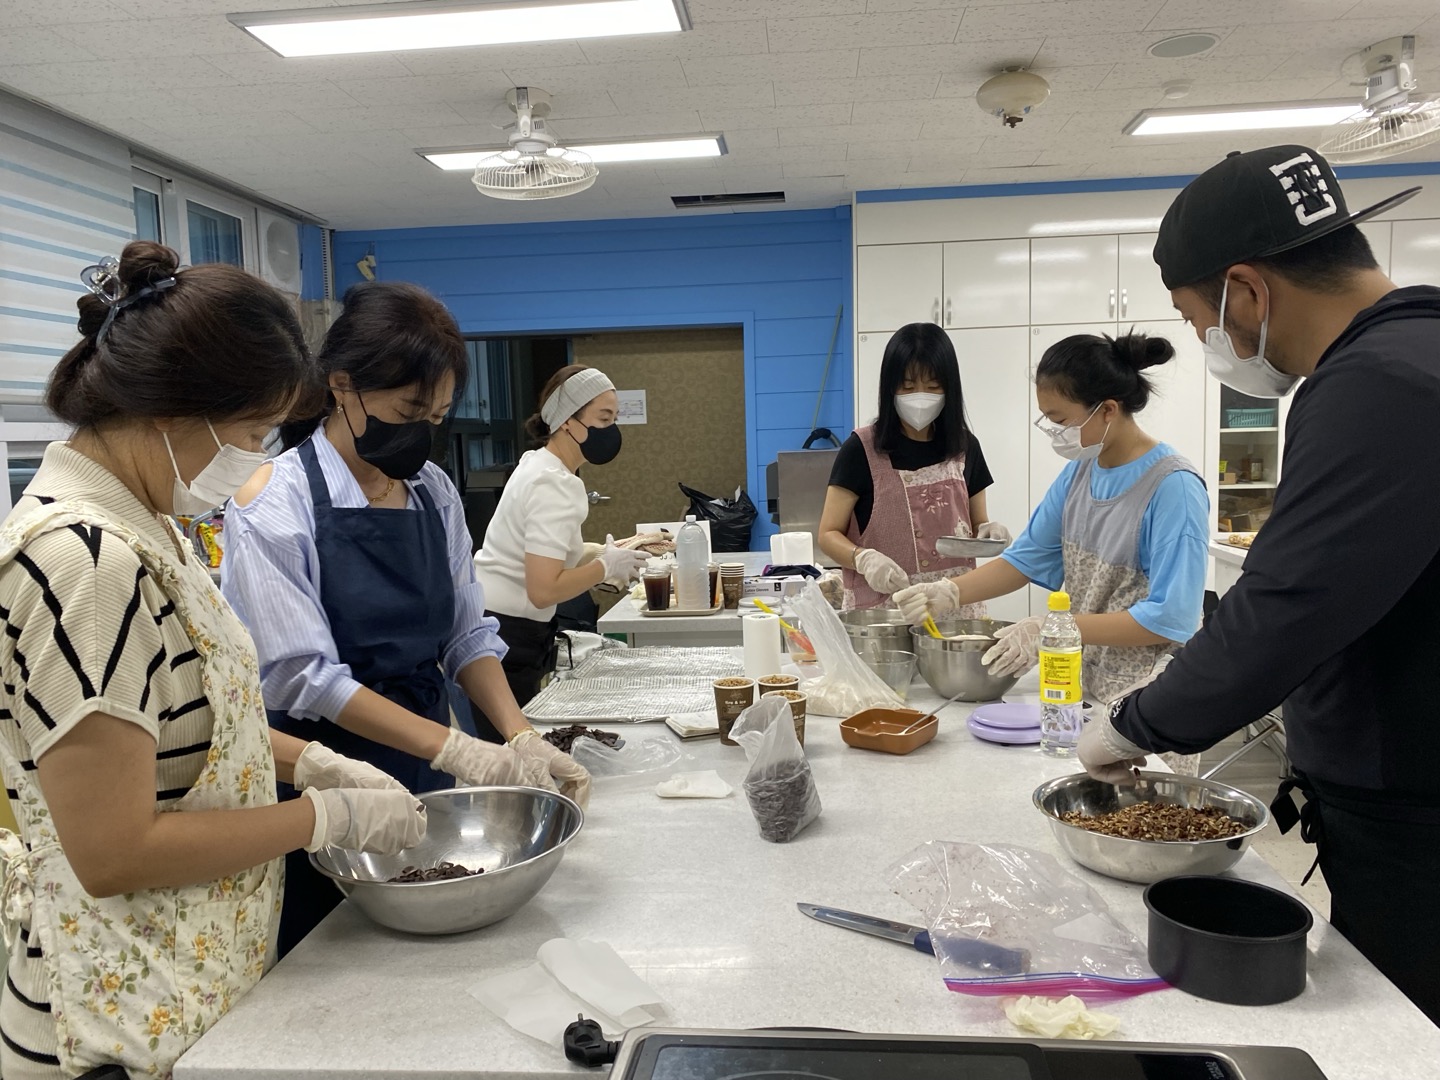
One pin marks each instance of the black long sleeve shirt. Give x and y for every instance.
(1337, 614)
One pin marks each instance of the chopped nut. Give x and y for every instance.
(1159, 821)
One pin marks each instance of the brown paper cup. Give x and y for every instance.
(798, 702)
(733, 696)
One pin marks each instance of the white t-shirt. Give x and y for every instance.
(540, 513)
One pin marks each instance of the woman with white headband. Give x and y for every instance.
(533, 558)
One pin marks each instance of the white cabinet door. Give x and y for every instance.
(1176, 413)
(898, 284)
(1378, 233)
(1073, 279)
(869, 352)
(995, 376)
(1045, 464)
(1415, 252)
(987, 283)
(1143, 296)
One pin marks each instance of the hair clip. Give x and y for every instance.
(116, 307)
(103, 279)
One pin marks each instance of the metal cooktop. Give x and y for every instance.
(677, 1054)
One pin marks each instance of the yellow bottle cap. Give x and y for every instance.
(1059, 601)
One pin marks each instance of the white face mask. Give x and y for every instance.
(919, 410)
(226, 474)
(1065, 441)
(1254, 375)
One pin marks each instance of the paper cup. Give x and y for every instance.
(797, 701)
(733, 695)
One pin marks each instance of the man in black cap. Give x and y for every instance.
(1337, 614)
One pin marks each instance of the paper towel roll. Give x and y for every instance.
(761, 635)
(792, 549)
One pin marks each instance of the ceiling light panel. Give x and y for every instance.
(1240, 118)
(690, 146)
(434, 25)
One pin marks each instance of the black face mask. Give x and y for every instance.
(397, 450)
(601, 445)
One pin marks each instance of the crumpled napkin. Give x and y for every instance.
(694, 785)
(571, 977)
(1068, 1018)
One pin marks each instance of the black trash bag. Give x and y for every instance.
(730, 519)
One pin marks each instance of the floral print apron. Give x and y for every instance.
(135, 980)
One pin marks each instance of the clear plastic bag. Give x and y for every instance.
(848, 686)
(779, 785)
(647, 760)
(1005, 921)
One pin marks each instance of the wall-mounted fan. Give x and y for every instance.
(534, 167)
(1394, 118)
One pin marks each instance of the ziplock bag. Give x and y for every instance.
(648, 760)
(1005, 920)
(779, 785)
(848, 686)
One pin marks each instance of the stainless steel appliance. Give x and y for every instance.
(811, 1055)
(796, 485)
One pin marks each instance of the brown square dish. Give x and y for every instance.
(879, 729)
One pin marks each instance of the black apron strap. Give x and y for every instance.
(319, 490)
(1287, 814)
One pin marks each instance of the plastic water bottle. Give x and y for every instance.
(1061, 713)
(692, 559)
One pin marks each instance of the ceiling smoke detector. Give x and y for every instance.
(1181, 45)
(1012, 94)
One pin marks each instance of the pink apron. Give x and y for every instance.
(911, 511)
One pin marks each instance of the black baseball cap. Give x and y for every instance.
(1251, 205)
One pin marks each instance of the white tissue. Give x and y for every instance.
(1068, 1018)
(694, 785)
(572, 977)
(792, 549)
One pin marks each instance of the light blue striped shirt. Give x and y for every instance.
(271, 576)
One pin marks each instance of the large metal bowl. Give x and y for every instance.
(953, 666)
(517, 834)
(876, 630)
(1145, 861)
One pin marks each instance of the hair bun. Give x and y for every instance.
(1141, 351)
(143, 263)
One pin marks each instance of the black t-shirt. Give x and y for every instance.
(851, 470)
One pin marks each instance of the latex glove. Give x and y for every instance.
(620, 564)
(1016, 649)
(366, 819)
(1106, 754)
(928, 598)
(321, 767)
(478, 763)
(881, 573)
(993, 530)
(556, 769)
(589, 553)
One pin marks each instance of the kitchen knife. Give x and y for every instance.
(981, 955)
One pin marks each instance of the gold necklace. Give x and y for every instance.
(389, 487)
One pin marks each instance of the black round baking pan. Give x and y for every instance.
(1229, 940)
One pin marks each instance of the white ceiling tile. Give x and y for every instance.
(704, 11)
(1381, 9)
(459, 61)
(729, 70)
(745, 157)
(37, 45)
(492, 110)
(781, 117)
(641, 74)
(1243, 93)
(1147, 72)
(1180, 14)
(863, 31)
(914, 5)
(816, 166)
(1335, 39)
(953, 110)
(375, 117)
(714, 39)
(1062, 17)
(116, 76)
(269, 122)
(1067, 50)
(751, 178)
(847, 133)
(147, 38)
(685, 122)
(752, 139)
(421, 89)
(1061, 80)
(241, 99)
(755, 95)
(261, 65)
(982, 58)
(828, 91)
(154, 9)
(898, 151)
(23, 13)
(107, 107)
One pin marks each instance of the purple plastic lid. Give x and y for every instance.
(1008, 715)
(1004, 736)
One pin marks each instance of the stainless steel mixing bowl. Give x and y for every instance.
(876, 630)
(517, 834)
(1148, 860)
(953, 666)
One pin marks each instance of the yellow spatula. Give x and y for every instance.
(931, 628)
(771, 611)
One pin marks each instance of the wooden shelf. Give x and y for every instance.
(1248, 430)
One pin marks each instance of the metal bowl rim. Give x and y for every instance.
(1051, 786)
(489, 874)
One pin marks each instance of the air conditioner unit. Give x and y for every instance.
(280, 252)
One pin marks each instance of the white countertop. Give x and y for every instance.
(703, 909)
(628, 616)
(1228, 553)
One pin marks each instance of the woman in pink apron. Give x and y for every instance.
(915, 475)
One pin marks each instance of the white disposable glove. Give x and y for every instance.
(547, 766)
(321, 767)
(989, 530)
(1016, 649)
(928, 598)
(620, 564)
(589, 553)
(478, 763)
(1106, 754)
(381, 820)
(881, 573)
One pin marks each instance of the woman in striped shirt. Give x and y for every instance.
(140, 894)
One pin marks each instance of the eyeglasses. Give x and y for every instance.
(1052, 431)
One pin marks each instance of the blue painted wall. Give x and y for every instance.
(780, 276)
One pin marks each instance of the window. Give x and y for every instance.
(214, 235)
(147, 215)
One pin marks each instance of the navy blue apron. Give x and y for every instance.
(387, 591)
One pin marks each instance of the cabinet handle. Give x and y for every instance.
(1124, 302)
(949, 311)
(1112, 301)
(935, 316)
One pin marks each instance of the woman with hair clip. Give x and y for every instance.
(1124, 529)
(142, 889)
(349, 560)
(533, 557)
(916, 475)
